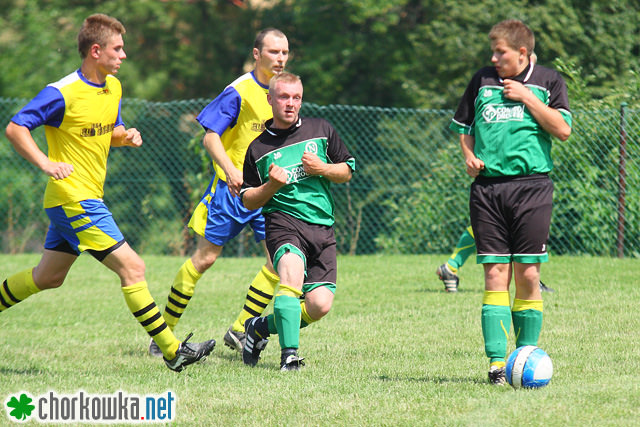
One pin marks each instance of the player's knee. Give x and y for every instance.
(319, 307)
(203, 260)
(50, 281)
(133, 271)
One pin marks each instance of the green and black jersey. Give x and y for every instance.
(507, 137)
(306, 197)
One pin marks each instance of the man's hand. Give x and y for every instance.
(57, 170)
(277, 175)
(474, 166)
(312, 164)
(133, 138)
(234, 180)
(515, 90)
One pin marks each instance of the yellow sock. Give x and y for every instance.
(183, 288)
(258, 297)
(306, 319)
(146, 312)
(16, 288)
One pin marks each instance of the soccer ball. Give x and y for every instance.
(529, 367)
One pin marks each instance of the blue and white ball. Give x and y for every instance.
(529, 367)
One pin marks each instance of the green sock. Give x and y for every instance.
(527, 321)
(496, 323)
(465, 247)
(286, 310)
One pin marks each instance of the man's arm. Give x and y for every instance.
(126, 138)
(549, 118)
(23, 142)
(337, 173)
(474, 164)
(213, 144)
(257, 197)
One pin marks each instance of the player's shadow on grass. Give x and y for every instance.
(428, 289)
(25, 371)
(435, 380)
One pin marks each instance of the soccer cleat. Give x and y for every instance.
(289, 361)
(449, 278)
(545, 288)
(234, 340)
(189, 353)
(497, 375)
(254, 343)
(154, 350)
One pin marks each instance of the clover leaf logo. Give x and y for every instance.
(22, 407)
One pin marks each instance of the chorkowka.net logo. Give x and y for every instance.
(82, 407)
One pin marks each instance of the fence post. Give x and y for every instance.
(622, 181)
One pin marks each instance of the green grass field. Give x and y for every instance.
(395, 349)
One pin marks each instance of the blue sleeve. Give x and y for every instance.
(222, 112)
(47, 108)
(119, 121)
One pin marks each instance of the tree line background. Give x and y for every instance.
(386, 74)
(392, 53)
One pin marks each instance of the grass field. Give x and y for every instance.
(395, 349)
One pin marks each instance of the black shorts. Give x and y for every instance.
(510, 217)
(315, 244)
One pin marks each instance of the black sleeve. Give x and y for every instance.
(465, 114)
(336, 150)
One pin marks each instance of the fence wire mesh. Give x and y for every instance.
(408, 195)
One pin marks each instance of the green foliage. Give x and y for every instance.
(403, 53)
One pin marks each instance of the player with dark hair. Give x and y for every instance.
(232, 120)
(288, 172)
(81, 118)
(506, 120)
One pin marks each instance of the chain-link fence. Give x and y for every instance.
(408, 195)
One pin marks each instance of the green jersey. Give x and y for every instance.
(306, 197)
(508, 139)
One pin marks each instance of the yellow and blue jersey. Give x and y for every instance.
(238, 115)
(78, 117)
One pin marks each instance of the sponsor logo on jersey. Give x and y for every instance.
(311, 147)
(296, 173)
(503, 113)
(257, 127)
(97, 129)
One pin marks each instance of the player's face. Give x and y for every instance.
(285, 100)
(273, 57)
(508, 61)
(111, 55)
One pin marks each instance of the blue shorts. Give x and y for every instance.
(219, 217)
(83, 226)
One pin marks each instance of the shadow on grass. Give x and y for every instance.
(440, 290)
(435, 380)
(25, 371)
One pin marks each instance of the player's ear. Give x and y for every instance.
(94, 51)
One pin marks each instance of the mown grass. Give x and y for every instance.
(395, 349)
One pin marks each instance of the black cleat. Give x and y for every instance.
(254, 343)
(545, 288)
(289, 361)
(497, 376)
(154, 350)
(449, 278)
(189, 353)
(234, 340)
